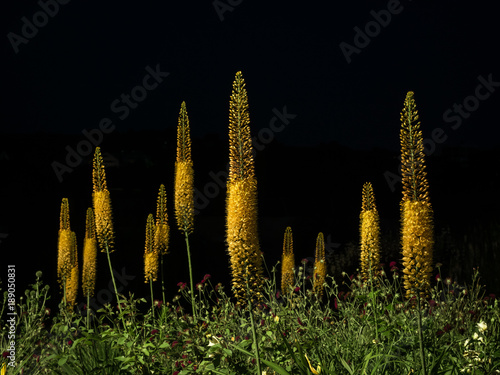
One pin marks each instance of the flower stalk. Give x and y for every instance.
(103, 214)
(241, 201)
(287, 263)
(416, 211)
(319, 275)
(184, 189)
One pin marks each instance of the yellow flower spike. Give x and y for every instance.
(89, 255)
(241, 201)
(417, 233)
(72, 280)
(287, 263)
(184, 175)
(369, 234)
(65, 244)
(150, 254)
(102, 205)
(4, 369)
(313, 370)
(162, 230)
(319, 275)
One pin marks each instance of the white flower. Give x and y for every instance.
(475, 336)
(482, 326)
(466, 342)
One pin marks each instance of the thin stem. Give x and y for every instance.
(88, 311)
(252, 323)
(162, 279)
(152, 300)
(114, 284)
(190, 275)
(374, 300)
(420, 335)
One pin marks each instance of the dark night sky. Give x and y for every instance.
(65, 79)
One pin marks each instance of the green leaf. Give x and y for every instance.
(62, 361)
(280, 370)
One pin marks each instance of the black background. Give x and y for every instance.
(310, 174)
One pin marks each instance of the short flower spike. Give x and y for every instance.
(370, 234)
(184, 175)
(102, 205)
(287, 263)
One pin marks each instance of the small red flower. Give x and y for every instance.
(206, 277)
(296, 289)
(158, 303)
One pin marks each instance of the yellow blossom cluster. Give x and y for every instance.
(370, 234)
(287, 263)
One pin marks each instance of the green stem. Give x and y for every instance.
(420, 335)
(254, 336)
(162, 279)
(114, 285)
(152, 300)
(190, 275)
(374, 301)
(252, 323)
(88, 311)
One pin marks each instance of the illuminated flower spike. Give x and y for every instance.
(319, 275)
(89, 255)
(241, 201)
(72, 281)
(102, 205)
(370, 234)
(184, 175)
(64, 244)
(150, 254)
(287, 263)
(162, 230)
(416, 211)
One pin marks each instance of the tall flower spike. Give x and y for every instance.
(162, 230)
(241, 201)
(370, 234)
(241, 163)
(319, 275)
(89, 255)
(184, 175)
(287, 263)
(102, 205)
(416, 212)
(64, 244)
(150, 255)
(72, 282)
